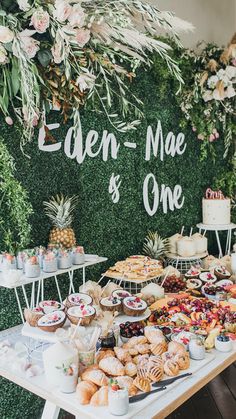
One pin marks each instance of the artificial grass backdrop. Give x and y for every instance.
(104, 228)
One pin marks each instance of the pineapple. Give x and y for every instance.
(154, 246)
(59, 210)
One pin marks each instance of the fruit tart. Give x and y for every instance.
(111, 303)
(77, 299)
(48, 306)
(83, 313)
(134, 306)
(52, 321)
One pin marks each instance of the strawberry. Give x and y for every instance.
(115, 387)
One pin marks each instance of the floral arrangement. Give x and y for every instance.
(209, 99)
(61, 54)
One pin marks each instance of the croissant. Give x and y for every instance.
(182, 361)
(112, 366)
(176, 348)
(103, 354)
(127, 382)
(84, 391)
(153, 334)
(100, 398)
(171, 368)
(122, 354)
(142, 384)
(158, 348)
(95, 376)
(130, 369)
(143, 348)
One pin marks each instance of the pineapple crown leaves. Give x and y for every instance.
(155, 246)
(60, 208)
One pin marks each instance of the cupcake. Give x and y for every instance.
(77, 299)
(48, 306)
(52, 321)
(207, 277)
(49, 262)
(78, 257)
(33, 315)
(134, 306)
(221, 272)
(64, 259)
(32, 268)
(83, 313)
(121, 294)
(111, 304)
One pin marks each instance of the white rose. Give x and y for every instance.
(23, 5)
(6, 35)
(3, 55)
(230, 71)
(207, 96)
(85, 81)
(40, 20)
(230, 92)
(82, 36)
(62, 10)
(211, 82)
(217, 96)
(29, 45)
(77, 16)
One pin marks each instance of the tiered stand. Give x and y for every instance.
(183, 264)
(133, 286)
(37, 284)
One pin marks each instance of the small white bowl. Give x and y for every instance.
(223, 346)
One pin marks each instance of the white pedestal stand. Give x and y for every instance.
(203, 228)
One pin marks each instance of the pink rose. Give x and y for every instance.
(6, 35)
(211, 138)
(9, 120)
(3, 55)
(194, 129)
(40, 20)
(62, 10)
(29, 45)
(77, 16)
(82, 36)
(85, 81)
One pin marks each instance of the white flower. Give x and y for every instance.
(23, 5)
(230, 92)
(86, 81)
(211, 82)
(217, 95)
(77, 16)
(222, 75)
(230, 71)
(29, 45)
(62, 10)
(3, 55)
(207, 96)
(6, 35)
(82, 36)
(40, 20)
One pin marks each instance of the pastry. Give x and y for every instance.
(138, 358)
(122, 354)
(154, 334)
(135, 340)
(33, 315)
(104, 354)
(155, 369)
(130, 369)
(158, 348)
(95, 376)
(112, 366)
(142, 384)
(182, 360)
(171, 368)
(84, 391)
(133, 351)
(167, 355)
(127, 382)
(77, 299)
(48, 306)
(142, 367)
(52, 321)
(81, 313)
(143, 348)
(100, 398)
(134, 306)
(176, 348)
(111, 304)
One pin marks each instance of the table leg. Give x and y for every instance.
(25, 296)
(219, 245)
(228, 244)
(19, 305)
(38, 293)
(42, 289)
(32, 300)
(70, 273)
(50, 411)
(58, 289)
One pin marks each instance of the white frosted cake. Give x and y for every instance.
(215, 208)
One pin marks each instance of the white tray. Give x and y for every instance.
(122, 318)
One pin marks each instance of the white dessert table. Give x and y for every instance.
(37, 284)
(216, 228)
(157, 406)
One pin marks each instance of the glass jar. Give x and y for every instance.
(196, 348)
(108, 341)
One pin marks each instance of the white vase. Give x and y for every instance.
(78, 258)
(55, 357)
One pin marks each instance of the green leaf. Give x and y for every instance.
(15, 80)
(44, 56)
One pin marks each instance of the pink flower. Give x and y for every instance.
(211, 138)
(6, 35)
(62, 10)
(40, 20)
(217, 135)
(9, 120)
(3, 55)
(34, 119)
(85, 81)
(194, 129)
(77, 16)
(200, 137)
(82, 36)
(29, 45)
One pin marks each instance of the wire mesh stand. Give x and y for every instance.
(134, 287)
(183, 265)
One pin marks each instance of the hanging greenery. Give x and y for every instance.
(15, 227)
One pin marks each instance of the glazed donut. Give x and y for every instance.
(182, 360)
(171, 368)
(176, 348)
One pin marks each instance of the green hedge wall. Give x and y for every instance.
(112, 230)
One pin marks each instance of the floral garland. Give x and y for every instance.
(208, 100)
(62, 54)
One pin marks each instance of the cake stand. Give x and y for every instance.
(216, 228)
(134, 286)
(183, 264)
